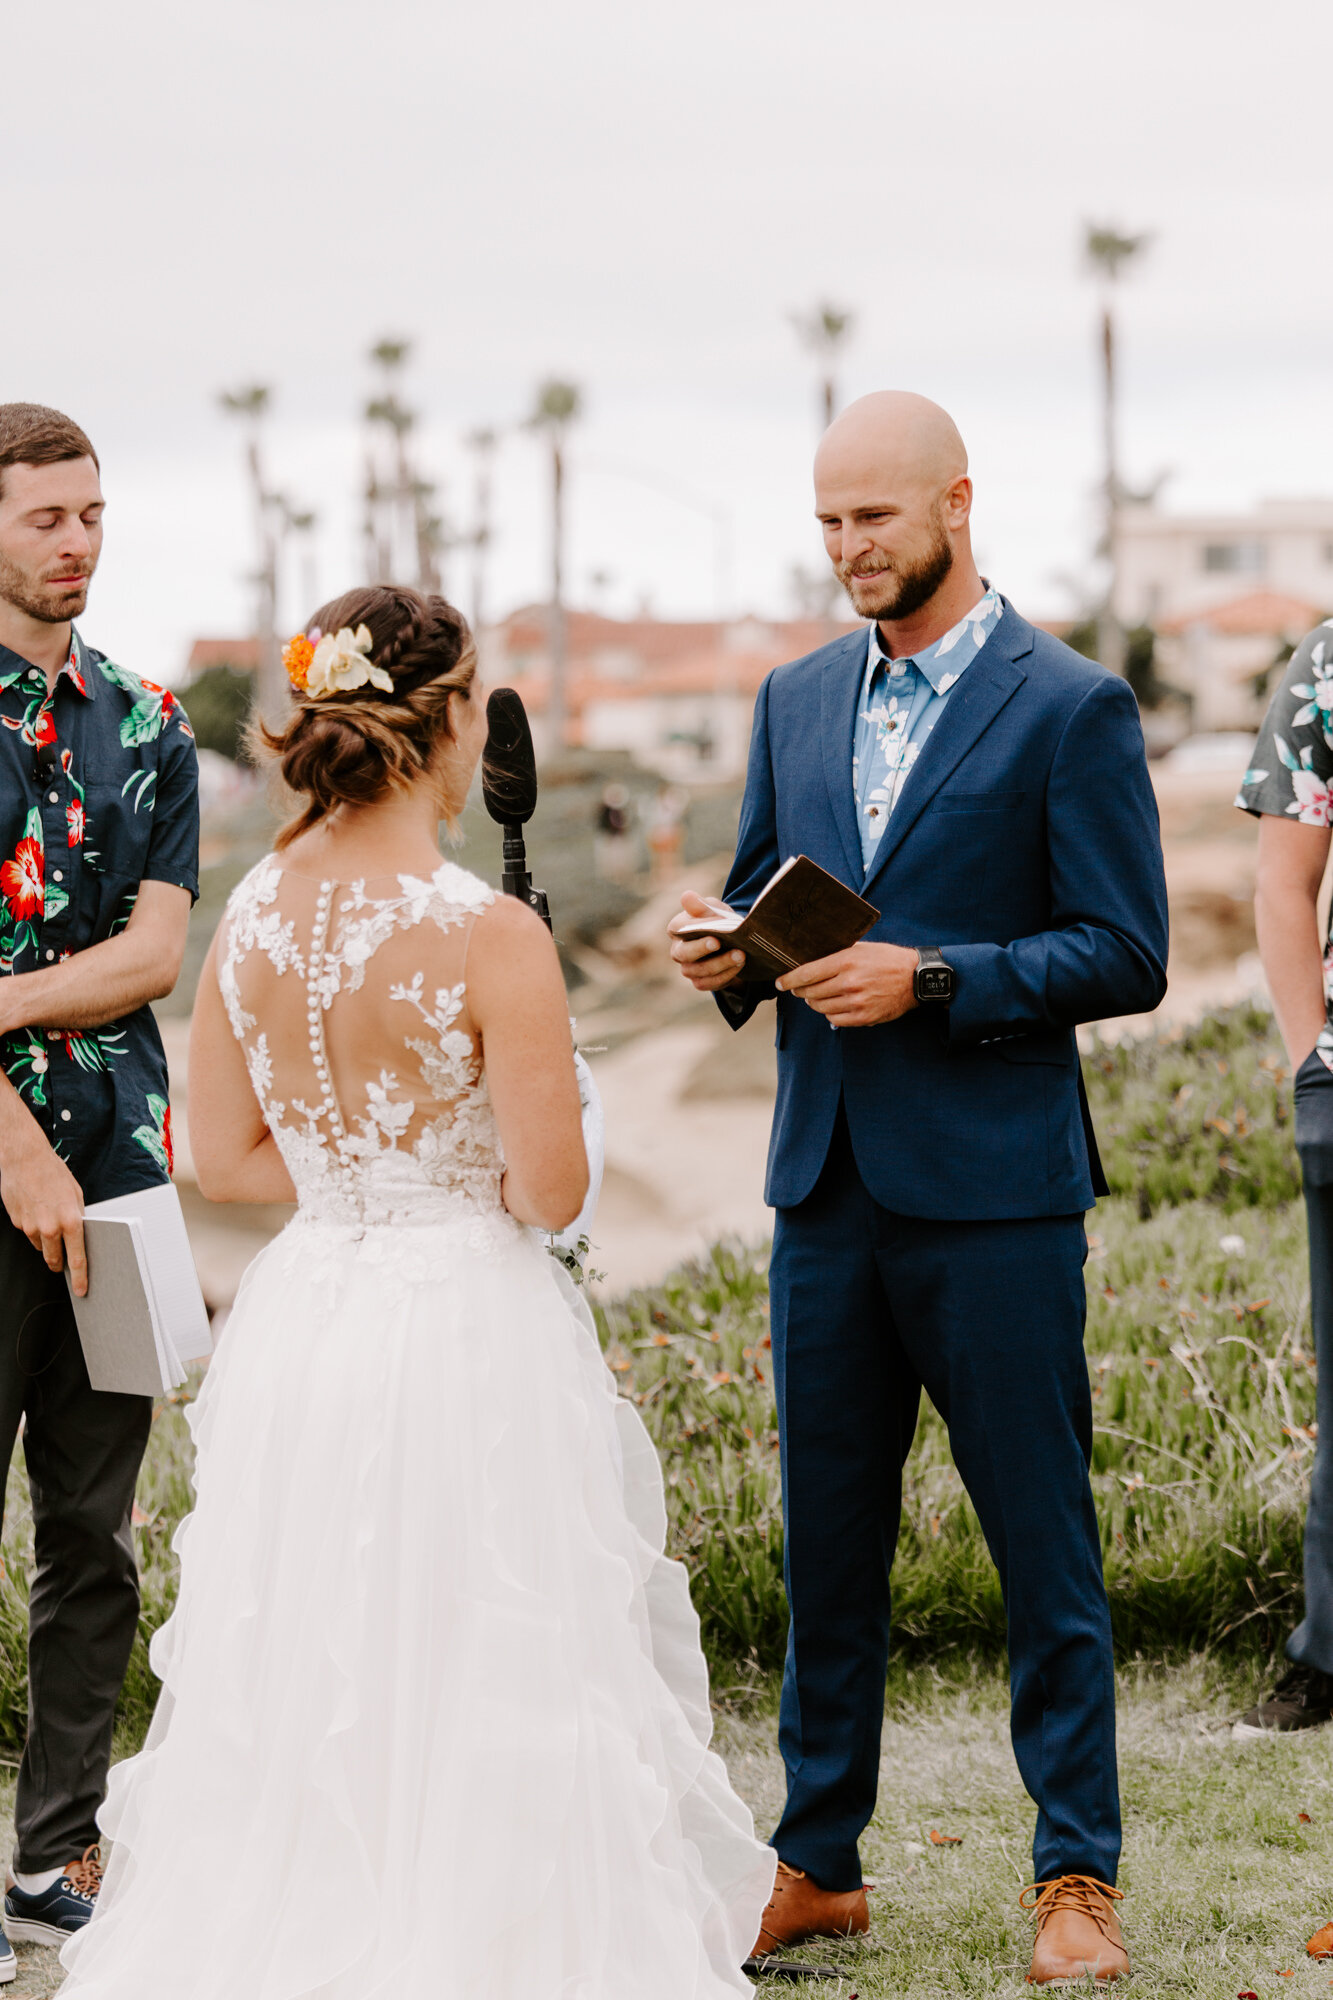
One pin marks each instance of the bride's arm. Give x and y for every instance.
(235, 1155)
(516, 997)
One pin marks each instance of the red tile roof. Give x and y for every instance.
(1259, 614)
(205, 653)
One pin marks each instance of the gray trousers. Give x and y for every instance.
(1312, 1642)
(83, 1450)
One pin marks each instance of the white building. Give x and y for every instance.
(1173, 567)
(1228, 595)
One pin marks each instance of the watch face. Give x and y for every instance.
(934, 982)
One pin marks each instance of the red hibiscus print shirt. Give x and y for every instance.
(98, 794)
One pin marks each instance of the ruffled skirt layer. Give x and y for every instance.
(434, 1722)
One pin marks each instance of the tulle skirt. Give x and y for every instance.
(434, 1721)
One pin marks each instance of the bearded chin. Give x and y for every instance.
(17, 588)
(917, 584)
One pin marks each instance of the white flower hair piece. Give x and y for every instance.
(342, 662)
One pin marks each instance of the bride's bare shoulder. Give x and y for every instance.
(510, 948)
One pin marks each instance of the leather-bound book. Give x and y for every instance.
(802, 913)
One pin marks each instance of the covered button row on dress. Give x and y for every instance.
(314, 1005)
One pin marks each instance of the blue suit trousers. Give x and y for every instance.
(869, 1307)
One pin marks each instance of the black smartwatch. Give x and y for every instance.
(933, 980)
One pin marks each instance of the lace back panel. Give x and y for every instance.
(349, 1000)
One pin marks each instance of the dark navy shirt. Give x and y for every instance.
(98, 793)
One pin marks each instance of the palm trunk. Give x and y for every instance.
(559, 633)
(1111, 646)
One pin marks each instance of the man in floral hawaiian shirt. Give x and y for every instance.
(98, 869)
(1288, 787)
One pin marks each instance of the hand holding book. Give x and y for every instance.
(802, 914)
(805, 932)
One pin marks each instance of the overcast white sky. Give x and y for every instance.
(636, 197)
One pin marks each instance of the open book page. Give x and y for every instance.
(175, 1282)
(725, 922)
(801, 914)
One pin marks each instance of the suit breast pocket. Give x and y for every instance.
(979, 802)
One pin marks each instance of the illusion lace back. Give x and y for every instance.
(434, 1720)
(350, 1001)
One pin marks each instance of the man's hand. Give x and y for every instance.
(701, 960)
(856, 988)
(43, 1199)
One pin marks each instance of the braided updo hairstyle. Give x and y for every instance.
(352, 748)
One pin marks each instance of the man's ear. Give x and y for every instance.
(958, 500)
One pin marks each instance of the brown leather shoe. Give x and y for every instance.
(799, 1909)
(1321, 1944)
(1078, 1932)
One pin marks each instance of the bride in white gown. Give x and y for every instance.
(434, 1720)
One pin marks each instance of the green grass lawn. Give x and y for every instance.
(1223, 1879)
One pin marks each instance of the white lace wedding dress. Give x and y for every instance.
(434, 1721)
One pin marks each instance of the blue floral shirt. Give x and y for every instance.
(1291, 775)
(98, 793)
(901, 701)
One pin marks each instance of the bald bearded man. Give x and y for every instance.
(932, 1156)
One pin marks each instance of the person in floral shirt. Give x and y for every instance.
(98, 868)
(1287, 786)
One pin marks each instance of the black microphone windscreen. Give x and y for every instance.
(508, 765)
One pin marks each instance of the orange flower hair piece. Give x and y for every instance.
(296, 657)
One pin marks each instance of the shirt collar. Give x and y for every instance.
(942, 662)
(13, 667)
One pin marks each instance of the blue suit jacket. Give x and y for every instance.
(1024, 844)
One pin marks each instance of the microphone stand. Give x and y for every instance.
(515, 879)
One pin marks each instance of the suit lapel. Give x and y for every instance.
(839, 690)
(972, 707)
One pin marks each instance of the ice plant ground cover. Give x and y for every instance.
(1203, 1378)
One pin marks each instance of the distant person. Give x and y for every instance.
(666, 830)
(435, 1714)
(99, 857)
(932, 1156)
(1288, 787)
(614, 849)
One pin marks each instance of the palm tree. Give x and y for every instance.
(302, 521)
(557, 405)
(400, 524)
(251, 405)
(482, 444)
(1106, 249)
(823, 330)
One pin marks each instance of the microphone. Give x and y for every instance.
(44, 764)
(509, 791)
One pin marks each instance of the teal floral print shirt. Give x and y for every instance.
(98, 794)
(1292, 769)
(901, 701)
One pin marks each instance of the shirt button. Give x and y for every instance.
(50, 954)
(54, 798)
(65, 1116)
(53, 1034)
(58, 876)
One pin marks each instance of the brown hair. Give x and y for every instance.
(30, 434)
(352, 748)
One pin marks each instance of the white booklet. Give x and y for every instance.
(125, 1344)
(144, 1308)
